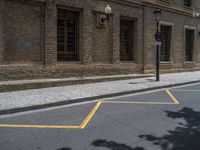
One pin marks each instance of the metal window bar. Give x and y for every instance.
(166, 43)
(126, 40)
(189, 44)
(68, 36)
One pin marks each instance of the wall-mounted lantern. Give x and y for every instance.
(103, 18)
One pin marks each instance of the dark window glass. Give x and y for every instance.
(188, 3)
(189, 44)
(68, 36)
(126, 40)
(166, 43)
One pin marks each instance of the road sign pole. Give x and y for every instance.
(158, 58)
(157, 15)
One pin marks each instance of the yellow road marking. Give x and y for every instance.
(187, 90)
(38, 126)
(172, 97)
(127, 102)
(90, 115)
(82, 126)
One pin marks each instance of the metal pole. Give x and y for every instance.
(158, 58)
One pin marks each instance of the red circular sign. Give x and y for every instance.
(158, 36)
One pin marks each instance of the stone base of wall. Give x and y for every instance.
(16, 72)
(172, 70)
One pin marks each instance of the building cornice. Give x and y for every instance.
(143, 3)
(127, 3)
(169, 8)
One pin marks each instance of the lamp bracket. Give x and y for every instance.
(102, 20)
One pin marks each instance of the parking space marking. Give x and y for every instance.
(38, 126)
(187, 90)
(92, 113)
(127, 102)
(175, 100)
(82, 126)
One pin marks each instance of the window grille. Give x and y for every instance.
(189, 44)
(126, 40)
(68, 36)
(166, 43)
(188, 3)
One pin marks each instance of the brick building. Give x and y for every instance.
(60, 38)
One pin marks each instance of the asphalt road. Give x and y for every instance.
(157, 120)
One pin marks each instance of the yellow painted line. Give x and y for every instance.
(90, 115)
(38, 126)
(172, 97)
(187, 90)
(127, 102)
(82, 126)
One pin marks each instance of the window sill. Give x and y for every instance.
(189, 64)
(166, 62)
(127, 62)
(188, 8)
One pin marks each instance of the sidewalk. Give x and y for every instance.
(40, 98)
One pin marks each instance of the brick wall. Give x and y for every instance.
(103, 37)
(14, 72)
(50, 33)
(1, 31)
(177, 20)
(22, 30)
(30, 37)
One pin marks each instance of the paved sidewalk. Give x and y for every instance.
(38, 98)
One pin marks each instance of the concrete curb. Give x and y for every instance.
(60, 103)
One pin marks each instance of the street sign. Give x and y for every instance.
(158, 43)
(158, 36)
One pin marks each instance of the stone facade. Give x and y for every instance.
(1, 32)
(178, 17)
(22, 31)
(28, 37)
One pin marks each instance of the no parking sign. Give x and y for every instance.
(158, 38)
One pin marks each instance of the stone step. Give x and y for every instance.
(8, 86)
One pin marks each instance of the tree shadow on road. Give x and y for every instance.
(64, 148)
(184, 137)
(113, 145)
